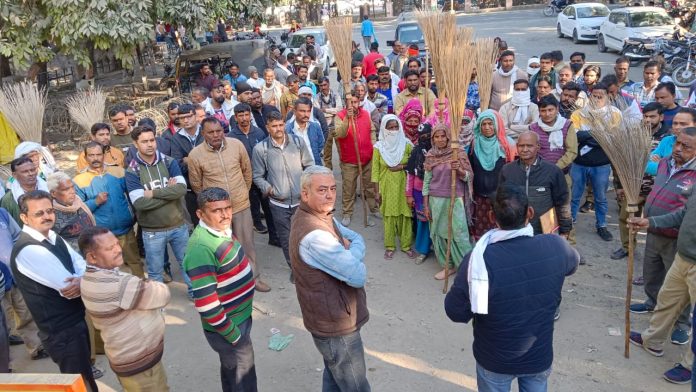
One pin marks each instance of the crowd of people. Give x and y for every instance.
(253, 155)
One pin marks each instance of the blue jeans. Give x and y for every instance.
(599, 179)
(488, 381)
(155, 244)
(344, 363)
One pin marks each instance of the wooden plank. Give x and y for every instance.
(41, 382)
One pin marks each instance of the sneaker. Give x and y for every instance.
(619, 254)
(604, 234)
(40, 354)
(637, 339)
(345, 221)
(641, 308)
(262, 287)
(97, 373)
(680, 336)
(587, 207)
(15, 340)
(260, 228)
(678, 375)
(557, 314)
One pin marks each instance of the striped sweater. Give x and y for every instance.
(128, 311)
(222, 280)
(670, 192)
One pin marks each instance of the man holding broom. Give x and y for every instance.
(353, 123)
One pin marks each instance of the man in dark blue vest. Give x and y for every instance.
(48, 272)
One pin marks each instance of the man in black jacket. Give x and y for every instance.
(543, 182)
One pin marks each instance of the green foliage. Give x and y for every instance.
(23, 32)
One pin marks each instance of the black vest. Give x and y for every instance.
(51, 311)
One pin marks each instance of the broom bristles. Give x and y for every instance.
(23, 106)
(87, 107)
(486, 51)
(456, 71)
(340, 34)
(439, 31)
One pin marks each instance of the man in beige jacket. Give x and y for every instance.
(127, 310)
(503, 78)
(519, 111)
(223, 162)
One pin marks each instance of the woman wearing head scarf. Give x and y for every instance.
(411, 118)
(441, 113)
(389, 160)
(466, 130)
(438, 165)
(489, 151)
(414, 187)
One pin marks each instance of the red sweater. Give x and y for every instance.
(346, 143)
(369, 63)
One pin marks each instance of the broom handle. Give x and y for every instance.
(631, 209)
(453, 193)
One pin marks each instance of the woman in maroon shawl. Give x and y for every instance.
(411, 118)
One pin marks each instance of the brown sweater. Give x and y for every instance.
(329, 306)
(229, 169)
(500, 88)
(128, 311)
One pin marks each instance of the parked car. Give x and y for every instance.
(408, 33)
(633, 22)
(581, 21)
(296, 39)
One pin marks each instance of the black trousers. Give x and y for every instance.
(258, 202)
(70, 350)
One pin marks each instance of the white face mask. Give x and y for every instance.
(521, 98)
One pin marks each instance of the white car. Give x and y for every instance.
(581, 21)
(296, 39)
(633, 22)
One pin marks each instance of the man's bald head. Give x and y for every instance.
(528, 147)
(529, 134)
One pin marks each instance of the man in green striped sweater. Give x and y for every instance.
(223, 289)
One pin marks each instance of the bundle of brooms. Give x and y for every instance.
(486, 52)
(627, 144)
(87, 107)
(340, 33)
(453, 64)
(23, 105)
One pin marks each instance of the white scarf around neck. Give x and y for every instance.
(555, 132)
(17, 190)
(510, 73)
(478, 273)
(521, 101)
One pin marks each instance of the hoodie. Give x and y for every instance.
(163, 211)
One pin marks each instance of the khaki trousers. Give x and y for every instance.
(131, 255)
(96, 344)
(327, 155)
(623, 219)
(678, 291)
(349, 175)
(19, 320)
(243, 229)
(151, 380)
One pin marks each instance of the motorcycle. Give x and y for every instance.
(638, 50)
(684, 75)
(169, 79)
(555, 6)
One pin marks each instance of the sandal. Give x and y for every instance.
(420, 259)
(451, 271)
(410, 253)
(388, 254)
(639, 281)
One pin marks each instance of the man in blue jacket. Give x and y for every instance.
(103, 189)
(309, 131)
(368, 32)
(513, 315)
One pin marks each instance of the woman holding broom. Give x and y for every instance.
(411, 118)
(439, 164)
(391, 153)
(490, 150)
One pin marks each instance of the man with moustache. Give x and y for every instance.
(101, 133)
(218, 107)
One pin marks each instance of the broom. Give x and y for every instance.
(23, 106)
(340, 33)
(87, 107)
(485, 50)
(627, 144)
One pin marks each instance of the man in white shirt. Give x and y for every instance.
(48, 272)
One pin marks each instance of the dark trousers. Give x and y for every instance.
(70, 350)
(237, 369)
(191, 206)
(281, 220)
(258, 203)
(659, 256)
(4, 345)
(344, 363)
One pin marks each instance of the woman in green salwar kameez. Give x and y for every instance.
(439, 162)
(389, 160)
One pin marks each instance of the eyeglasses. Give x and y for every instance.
(39, 214)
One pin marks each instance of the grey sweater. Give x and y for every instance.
(685, 220)
(277, 171)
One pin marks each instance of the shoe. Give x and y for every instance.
(97, 373)
(641, 308)
(680, 336)
(40, 354)
(370, 221)
(582, 259)
(377, 215)
(345, 221)
(167, 277)
(604, 234)
(557, 314)
(637, 339)
(587, 207)
(639, 281)
(260, 228)
(619, 254)
(15, 340)
(678, 375)
(420, 259)
(262, 287)
(274, 242)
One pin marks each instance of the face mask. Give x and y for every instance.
(576, 67)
